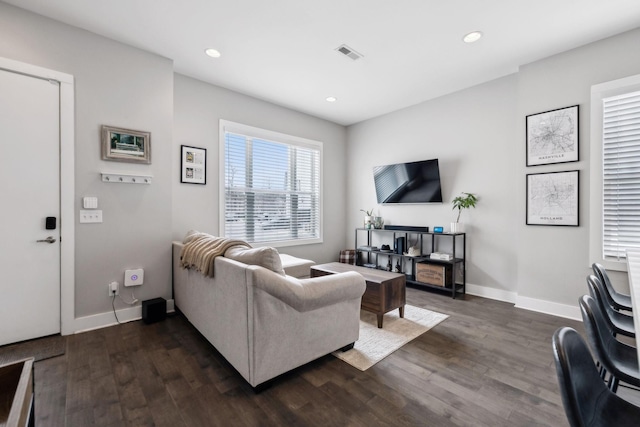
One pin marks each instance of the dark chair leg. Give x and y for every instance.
(603, 372)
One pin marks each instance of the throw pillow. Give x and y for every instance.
(266, 257)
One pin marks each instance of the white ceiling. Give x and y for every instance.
(283, 51)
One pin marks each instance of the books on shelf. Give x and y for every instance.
(367, 248)
(441, 256)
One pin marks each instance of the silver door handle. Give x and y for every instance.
(49, 239)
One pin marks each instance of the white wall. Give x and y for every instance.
(554, 261)
(198, 108)
(479, 136)
(471, 133)
(120, 86)
(477, 133)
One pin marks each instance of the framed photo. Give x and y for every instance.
(552, 136)
(552, 198)
(126, 145)
(193, 165)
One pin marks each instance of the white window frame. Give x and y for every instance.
(598, 93)
(255, 132)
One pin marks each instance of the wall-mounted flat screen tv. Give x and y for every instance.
(414, 182)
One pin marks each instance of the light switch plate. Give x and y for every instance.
(90, 216)
(90, 202)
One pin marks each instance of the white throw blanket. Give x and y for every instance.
(200, 251)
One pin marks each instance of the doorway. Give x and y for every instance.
(38, 284)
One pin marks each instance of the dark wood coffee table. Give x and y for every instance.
(386, 291)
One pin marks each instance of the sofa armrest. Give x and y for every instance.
(313, 293)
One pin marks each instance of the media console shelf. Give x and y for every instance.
(371, 255)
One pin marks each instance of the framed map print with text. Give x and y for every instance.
(552, 198)
(552, 136)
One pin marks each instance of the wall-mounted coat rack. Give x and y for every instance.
(123, 178)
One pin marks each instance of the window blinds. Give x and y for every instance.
(272, 190)
(621, 175)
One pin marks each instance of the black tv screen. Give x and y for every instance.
(414, 182)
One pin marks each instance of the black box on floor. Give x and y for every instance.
(154, 310)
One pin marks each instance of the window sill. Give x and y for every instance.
(286, 243)
(615, 265)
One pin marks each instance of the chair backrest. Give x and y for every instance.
(600, 272)
(603, 277)
(587, 400)
(599, 334)
(597, 292)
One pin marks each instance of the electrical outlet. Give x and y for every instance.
(114, 289)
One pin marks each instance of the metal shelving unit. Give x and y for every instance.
(428, 243)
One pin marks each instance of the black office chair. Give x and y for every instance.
(586, 399)
(619, 359)
(619, 322)
(617, 300)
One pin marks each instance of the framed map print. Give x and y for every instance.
(552, 198)
(552, 136)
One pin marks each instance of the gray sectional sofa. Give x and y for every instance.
(265, 322)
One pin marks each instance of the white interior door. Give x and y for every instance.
(30, 192)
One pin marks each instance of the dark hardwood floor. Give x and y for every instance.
(488, 364)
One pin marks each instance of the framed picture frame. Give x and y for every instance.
(552, 136)
(193, 165)
(552, 198)
(126, 145)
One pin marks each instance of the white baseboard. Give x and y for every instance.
(129, 314)
(526, 303)
(492, 293)
(104, 320)
(548, 307)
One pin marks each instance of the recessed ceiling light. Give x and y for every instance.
(331, 99)
(472, 37)
(212, 53)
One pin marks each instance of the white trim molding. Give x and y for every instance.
(106, 319)
(251, 132)
(526, 303)
(598, 93)
(491, 293)
(67, 184)
(548, 307)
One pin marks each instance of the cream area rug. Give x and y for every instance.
(375, 344)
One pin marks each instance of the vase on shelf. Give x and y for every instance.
(368, 221)
(378, 222)
(457, 227)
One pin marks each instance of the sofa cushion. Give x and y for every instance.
(266, 257)
(296, 267)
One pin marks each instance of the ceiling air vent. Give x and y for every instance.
(348, 52)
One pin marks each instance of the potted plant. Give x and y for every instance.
(368, 219)
(464, 201)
